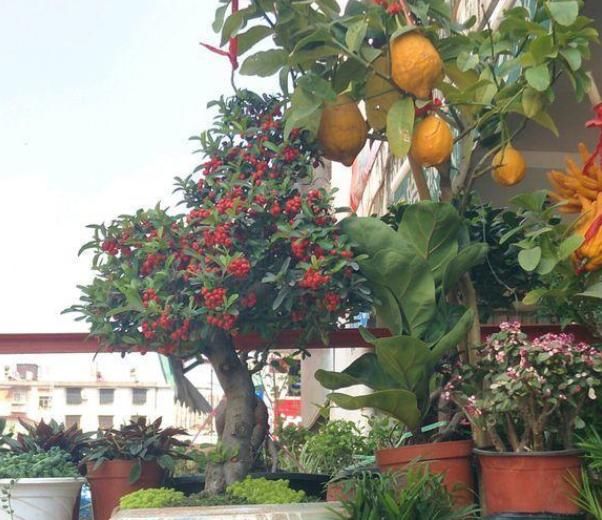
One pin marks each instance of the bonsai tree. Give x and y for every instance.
(255, 250)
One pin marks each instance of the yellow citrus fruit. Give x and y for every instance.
(432, 141)
(416, 66)
(380, 95)
(509, 166)
(343, 131)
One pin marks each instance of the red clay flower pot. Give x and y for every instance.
(452, 459)
(109, 482)
(535, 482)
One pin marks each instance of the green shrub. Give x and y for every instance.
(336, 446)
(54, 463)
(151, 498)
(263, 491)
(422, 496)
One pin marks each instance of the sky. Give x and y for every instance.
(97, 101)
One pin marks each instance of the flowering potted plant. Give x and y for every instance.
(527, 396)
(412, 271)
(131, 458)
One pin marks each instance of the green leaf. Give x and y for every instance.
(594, 291)
(543, 47)
(467, 61)
(539, 77)
(264, 63)
(466, 259)
(532, 201)
(135, 472)
(529, 258)
(432, 229)
(400, 125)
(220, 14)
(365, 370)
(573, 58)
(565, 12)
(356, 34)
(545, 120)
(533, 297)
(346, 72)
(251, 37)
(317, 86)
(234, 23)
(400, 404)
(454, 336)
(569, 246)
(388, 310)
(371, 235)
(532, 102)
(404, 358)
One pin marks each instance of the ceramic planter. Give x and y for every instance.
(41, 498)
(109, 482)
(536, 482)
(451, 459)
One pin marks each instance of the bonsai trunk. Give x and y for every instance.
(238, 420)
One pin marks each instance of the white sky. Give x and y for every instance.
(97, 101)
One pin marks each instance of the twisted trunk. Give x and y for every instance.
(239, 421)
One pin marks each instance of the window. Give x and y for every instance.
(106, 396)
(138, 395)
(70, 420)
(105, 422)
(74, 396)
(44, 402)
(18, 397)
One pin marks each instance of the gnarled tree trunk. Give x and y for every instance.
(239, 420)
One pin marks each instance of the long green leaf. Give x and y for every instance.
(400, 126)
(365, 370)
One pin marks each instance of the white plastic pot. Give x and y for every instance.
(40, 498)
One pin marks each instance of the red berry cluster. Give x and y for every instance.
(293, 206)
(393, 8)
(275, 210)
(181, 333)
(299, 249)
(313, 279)
(332, 301)
(290, 154)
(220, 236)
(200, 213)
(249, 301)
(149, 295)
(152, 261)
(110, 247)
(239, 267)
(222, 321)
(213, 298)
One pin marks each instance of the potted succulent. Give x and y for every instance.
(528, 396)
(412, 272)
(39, 437)
(38, 485)
(135, 456)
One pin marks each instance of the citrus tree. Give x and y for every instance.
(256, 250)
(402, 58)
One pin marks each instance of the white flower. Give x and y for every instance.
(591, 393)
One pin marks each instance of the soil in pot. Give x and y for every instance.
(41, 498)
(313, 484)
(530, 482)
(452, 459)
(109, 482)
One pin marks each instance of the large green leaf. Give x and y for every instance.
(251, 37)
(466, 259)
(365, 370)
(400, 126)
(565, 12)
(400, 404)
(404, 358)
(264, 63)
(370, 235)
(453, 338)
(432, 229)
(593, 291)
(387, 309)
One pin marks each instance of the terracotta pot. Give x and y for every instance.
(536, 482)
(451, 459)
(109, 482)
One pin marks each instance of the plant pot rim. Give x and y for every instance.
(572, 452)
(45, 480)
(427, 451)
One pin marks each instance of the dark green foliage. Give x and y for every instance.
(414, 495)
(139, 441)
